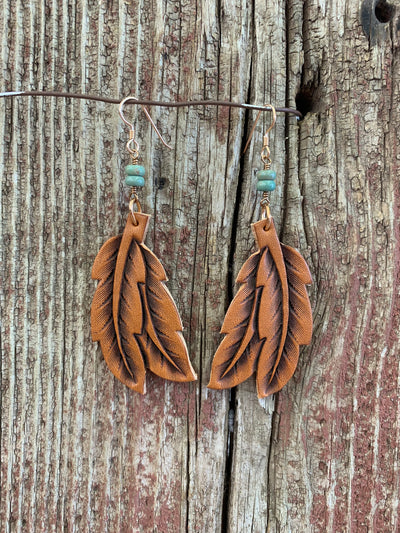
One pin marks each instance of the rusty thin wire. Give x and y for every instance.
(57, 94)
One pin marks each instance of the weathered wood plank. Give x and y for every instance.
(334, 466)
(252, 419)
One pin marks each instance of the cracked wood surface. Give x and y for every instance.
(81, 452)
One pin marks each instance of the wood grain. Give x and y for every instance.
(80, 451)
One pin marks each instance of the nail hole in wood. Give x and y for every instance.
(160, 183)
(305, 99)
(384, 11)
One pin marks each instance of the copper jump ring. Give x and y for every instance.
(265, 210)
(135, 201)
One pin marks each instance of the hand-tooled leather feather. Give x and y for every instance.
(133, 314)
(269, 318)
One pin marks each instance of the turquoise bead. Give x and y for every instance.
(134, 181)
(266, 185)
(135, 170)
(267, 174)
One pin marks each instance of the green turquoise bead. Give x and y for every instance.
(266, 174)
(266, 185)
(135, 170)
(134, 181)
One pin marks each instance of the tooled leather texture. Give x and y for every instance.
(133, 315)
(269, 318)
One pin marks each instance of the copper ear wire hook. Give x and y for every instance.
(266, 159)
(266, 134)
(135, 151)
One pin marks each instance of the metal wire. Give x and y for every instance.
(192, 103)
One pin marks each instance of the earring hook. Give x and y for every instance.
(132, 139)
(266, 134)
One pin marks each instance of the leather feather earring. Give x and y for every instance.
(133, 315)
(270, 316)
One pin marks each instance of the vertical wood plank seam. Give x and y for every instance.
(230, 439)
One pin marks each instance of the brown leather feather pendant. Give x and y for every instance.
(269, 318)
(133, 314)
